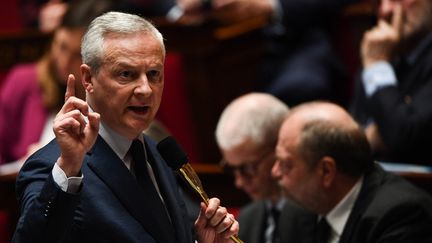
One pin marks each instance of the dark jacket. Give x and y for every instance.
(110, 206)
(403, 113)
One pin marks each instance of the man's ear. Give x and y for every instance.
(327, 170)
(86, 78)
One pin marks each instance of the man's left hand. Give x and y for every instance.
(215, 224)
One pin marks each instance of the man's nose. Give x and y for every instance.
(275, 171)
(143, 86)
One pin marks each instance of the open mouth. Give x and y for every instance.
(140, 110)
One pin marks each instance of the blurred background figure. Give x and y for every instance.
(246, 135)
(393, 96)
(33, 92)
(51, 14)
(186, 12)
(45, 15)
(299, 63)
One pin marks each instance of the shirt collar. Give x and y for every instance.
(338, 216)
(119, 144)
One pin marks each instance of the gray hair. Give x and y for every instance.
(254, 116)
(112, 22)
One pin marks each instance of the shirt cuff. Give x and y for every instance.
(71, 184)
(377, 76)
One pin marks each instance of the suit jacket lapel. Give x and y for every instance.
(113, 172)
(371, 181)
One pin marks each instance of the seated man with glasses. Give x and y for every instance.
(247, 134)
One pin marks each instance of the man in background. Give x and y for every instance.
(393, 96)
(324, 163)
(246, 135)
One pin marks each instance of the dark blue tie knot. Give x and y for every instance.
(137, 151)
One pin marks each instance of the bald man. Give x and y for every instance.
(324, 163)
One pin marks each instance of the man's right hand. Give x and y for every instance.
(74, 134)
(379, 43)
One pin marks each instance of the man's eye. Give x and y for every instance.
(125, 74)
(153, 74)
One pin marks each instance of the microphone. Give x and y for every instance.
(177, 160)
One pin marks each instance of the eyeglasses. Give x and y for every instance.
(246, 169)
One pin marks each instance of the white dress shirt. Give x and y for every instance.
(338, 216)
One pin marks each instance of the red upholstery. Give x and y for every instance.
(9, 17)
(174, 111)
(4, 228)
(9, 22)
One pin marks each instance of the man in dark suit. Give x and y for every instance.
(393, 96)
(101, 180)
(246, 134)
(325, 165)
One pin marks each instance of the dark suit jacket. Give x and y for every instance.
(253, 218)
(110, 207)
(403, 113)
(387, 210)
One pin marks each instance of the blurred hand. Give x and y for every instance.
(190, 5)
(215, 224)
(74, 135)
(231, 11)
(51, 14)
(379, 43)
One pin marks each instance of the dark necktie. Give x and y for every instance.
(143, 178)
(323, 231)
(275, 214)
(271, 233)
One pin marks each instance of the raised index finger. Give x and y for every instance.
(70, 87)
(397, 19)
